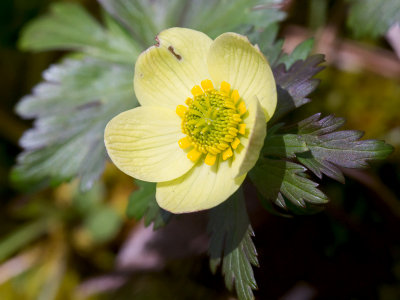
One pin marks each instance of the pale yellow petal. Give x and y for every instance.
(232, 58)
(203, 187)
(248, 152)
(143, 143)
(165, 73)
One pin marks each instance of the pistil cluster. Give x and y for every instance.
(212, 122)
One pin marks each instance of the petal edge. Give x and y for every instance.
(143, 143)
(234, 59)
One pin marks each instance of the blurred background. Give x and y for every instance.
(58, 243)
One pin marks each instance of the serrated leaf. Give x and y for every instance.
(142, 204)
(258, 14)
(330, 149)
(231, 243)
(68, 26)
(372, 17)
(278, 180)
(143, 19)
(283, 146)
(266, 40)
(301, 52)
(295, 84)
(71, 107)
(146, 19)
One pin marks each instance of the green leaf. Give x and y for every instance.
(103, 223)
(22, 237)
(142, 203)
(71, 107)
(281, 181)
(68, 26)
(146, 19)
(253, 13)
(283, 146)
(372, 17)
(301, 52)
(295, 84)
(271, 208)
(142, 18)
(231, 243)
(330, 149)
(266, 40)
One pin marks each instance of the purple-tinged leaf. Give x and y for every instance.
(231, 244)
(295, 84)
(330, 149)
(285, 183)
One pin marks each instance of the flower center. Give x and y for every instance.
(212, 122)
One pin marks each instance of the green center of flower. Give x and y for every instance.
(212, 122)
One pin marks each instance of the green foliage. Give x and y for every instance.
(372, 17)
(280, 180)
(330, 149)
(72, 108)
(103, 224)
(271, 47)
(144, 20)
(283, 146)
(301, 52)
(267, 41)
(68, 26)
(143, 204)
(321, 149)
(232, 245)
(80, 95)
(254, 13)
(22, 237)
(295, 84)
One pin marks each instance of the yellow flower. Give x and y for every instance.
(202, 120)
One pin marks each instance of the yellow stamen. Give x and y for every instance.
(188, 101)
(194, 155)
(222, 146)
(207, 85)
(184, 142)
(213, 150)
(242, 108)
(212, 122)
(242, 128)
(233, 131)
(197, 91)
(181, 110)
(225, 87)
(227, 153)
(235, 96)
(235, 143)
(210, 159)
(236, 117)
